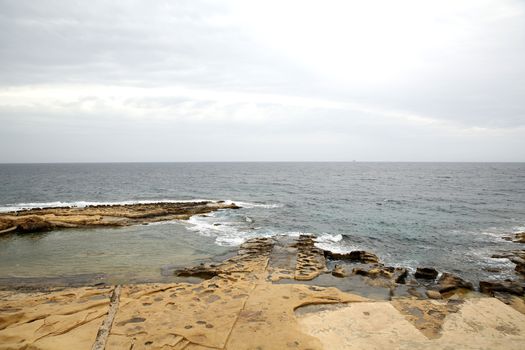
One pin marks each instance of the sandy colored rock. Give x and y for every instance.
(236, 305)
(237, 308)
(339, 271)
(52, 320)
(427, 315)
(449, 283)
(310, 259)
(433, 294)
(46, 219)
(483, 323)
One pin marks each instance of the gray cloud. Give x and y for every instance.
(220, 81)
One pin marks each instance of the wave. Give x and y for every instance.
(249, 205)
(334, 243)
(226, 232)
(230, 229)
(518, 229)
(82, 204)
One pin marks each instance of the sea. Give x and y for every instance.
(450, 216)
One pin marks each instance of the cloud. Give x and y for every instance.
(337, 75)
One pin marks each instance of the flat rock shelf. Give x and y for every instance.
(47, 219)
(276, 293)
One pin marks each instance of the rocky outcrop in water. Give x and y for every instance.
(357, 255)
(428, 273)
(507, 286)
(47, 219)
(518, 237)
(450, 283)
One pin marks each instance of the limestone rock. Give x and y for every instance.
(400, 275)
(449, 282)
(428, 273)
(356, 255)
(519, 237)
(339, 271)
(46, 219)
(311, 261)
(33, 224)
(520, 264)
(507, 286)
(433, 294)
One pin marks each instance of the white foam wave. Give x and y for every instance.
(83, 204)
(518, 229)
(328, 238)
(492, 234)
(233, 232)
(250, 205)
(332, 242)
(225, 231)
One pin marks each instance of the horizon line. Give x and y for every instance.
(258, 161)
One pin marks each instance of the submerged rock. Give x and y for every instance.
(428, 273)
(502, 255)
(516, 256)
(203, 271)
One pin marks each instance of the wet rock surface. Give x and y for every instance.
(428, 273)
(47, 219)
(358, 255)
(448, 283)
(518, 237)
(507, 286)
(515, 256)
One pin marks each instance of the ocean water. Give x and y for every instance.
(451, 216)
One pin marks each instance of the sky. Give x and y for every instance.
(376, 80)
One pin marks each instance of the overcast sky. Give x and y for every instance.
(262, 80)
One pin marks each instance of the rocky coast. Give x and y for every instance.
(280, 292)
(276, 293)
(47, 219)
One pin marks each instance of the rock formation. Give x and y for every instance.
(46, 219)
(428, 273)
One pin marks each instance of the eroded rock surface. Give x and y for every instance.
(52, 320)
(234, 306)
(241, 303)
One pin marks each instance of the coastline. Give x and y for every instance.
(267, 296)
